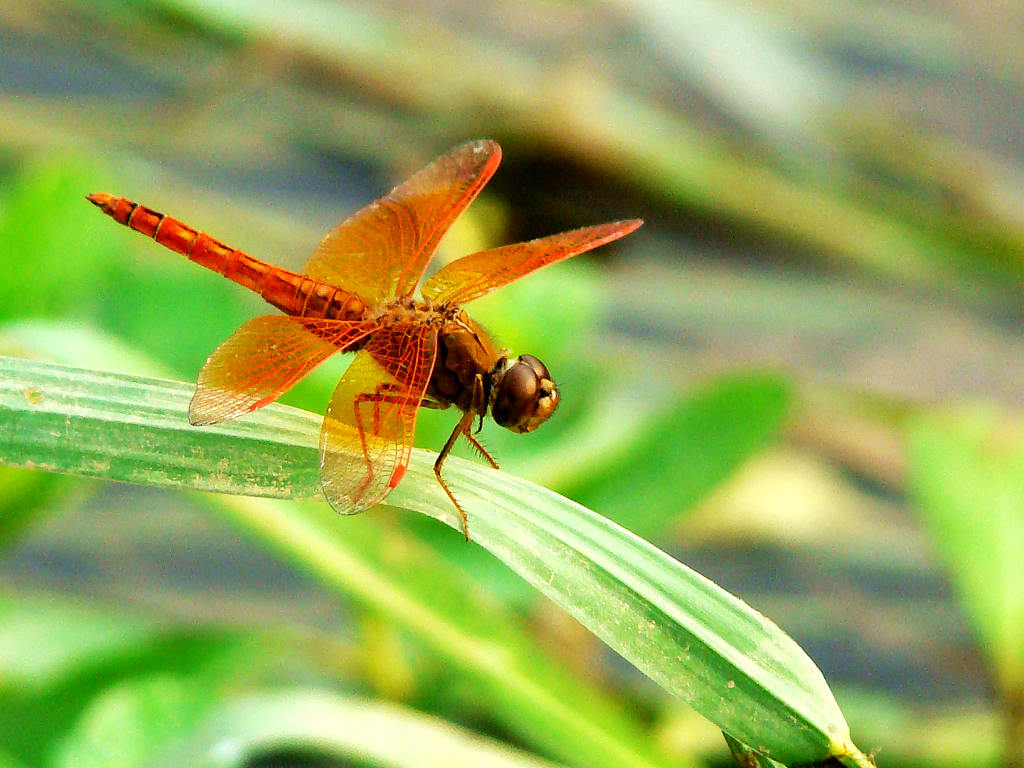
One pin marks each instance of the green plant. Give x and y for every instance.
(695, 640)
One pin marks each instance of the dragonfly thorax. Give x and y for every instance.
(470, 374)
(406, 309)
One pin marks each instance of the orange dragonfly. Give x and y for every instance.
(355, 294)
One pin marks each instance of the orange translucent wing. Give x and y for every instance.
(382, 250)
(263, 359)
(367, 435)
(480, 273)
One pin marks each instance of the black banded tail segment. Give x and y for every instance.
(120, 209)
(166, 230)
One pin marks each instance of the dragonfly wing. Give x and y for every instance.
(480, 273)
(382, 250)
(263, 359)
(367, 435)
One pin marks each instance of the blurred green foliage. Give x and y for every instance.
(967, 478)
(832, 195)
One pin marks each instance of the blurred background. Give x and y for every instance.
(802, 377)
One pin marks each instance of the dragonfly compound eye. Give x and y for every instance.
(525, 395)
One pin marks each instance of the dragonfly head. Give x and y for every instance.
(522, 393)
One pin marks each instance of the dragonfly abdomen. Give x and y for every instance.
(290, 292)
(179, 237)
(317, 299)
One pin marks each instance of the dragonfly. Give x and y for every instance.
(357, 293)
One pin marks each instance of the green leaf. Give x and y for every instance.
(746, 757)
(693, 638)
(134, 430)
(9, 761)
(132, 722)
(53, 658)
(60, 661)
(966, 478)
(325, 726)
(86, 423)
(35, 654)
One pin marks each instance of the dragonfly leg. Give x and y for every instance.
(461, 428)
(480, 408)
(480, 449)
